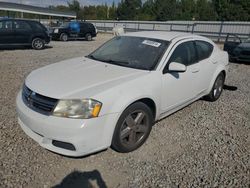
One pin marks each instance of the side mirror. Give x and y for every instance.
(177, 67)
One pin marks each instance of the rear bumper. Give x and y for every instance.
(84, 135)
(94, 34)
(47, 40)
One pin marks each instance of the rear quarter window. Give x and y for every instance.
(38, 26)
(21, 25)
(204, 49)
(90, 26)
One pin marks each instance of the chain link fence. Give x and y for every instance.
(217, 31)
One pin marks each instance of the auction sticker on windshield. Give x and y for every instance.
(151, 43)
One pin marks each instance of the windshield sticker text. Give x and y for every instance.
(151, 43)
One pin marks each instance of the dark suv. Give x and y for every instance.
(74, 29)
(24, 33)
(237, 49)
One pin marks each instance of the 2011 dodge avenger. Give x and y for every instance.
(113, 96)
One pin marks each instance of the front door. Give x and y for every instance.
(179, 88)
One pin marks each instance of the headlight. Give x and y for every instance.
(78, 109)
(56, 30)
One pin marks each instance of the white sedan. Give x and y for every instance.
(113, 96)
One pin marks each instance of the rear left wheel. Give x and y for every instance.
(133, 128)
(217, 89)
(38, 44)
(88, 37)
(64, 37)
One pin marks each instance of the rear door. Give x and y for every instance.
(23, 31)
(84, 29)
(7, 35)
(74, 29)
(208, 64)
(232, 41)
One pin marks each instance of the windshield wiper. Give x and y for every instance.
(108, 60)
(115, 62)
(92, 57)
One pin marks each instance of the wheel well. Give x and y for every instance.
(224, 73)
(150, 103)
(41, 37)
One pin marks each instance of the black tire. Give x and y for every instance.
(88, 37)
(132, 128)
(64, 37)
(38, 44)
(217, 88)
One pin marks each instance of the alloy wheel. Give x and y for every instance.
(38, 44)
(218, 86)
(134, 128)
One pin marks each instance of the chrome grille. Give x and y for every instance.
(37, 102)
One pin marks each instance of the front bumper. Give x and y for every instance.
(86, 135)
(55, 36)
(240, 57)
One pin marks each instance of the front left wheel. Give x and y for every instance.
(133, 128)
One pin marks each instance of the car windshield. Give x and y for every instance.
(129, 51)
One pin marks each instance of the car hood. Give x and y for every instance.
(79, 77)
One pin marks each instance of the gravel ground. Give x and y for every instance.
(203, 145)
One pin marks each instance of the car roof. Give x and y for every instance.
(75, 21)
(162, 35)
(17, 19)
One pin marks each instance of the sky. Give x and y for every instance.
(45, 3)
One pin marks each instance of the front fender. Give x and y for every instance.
(117, 108)
(122, 99)
(116, 99)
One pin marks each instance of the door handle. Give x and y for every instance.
(214, 62)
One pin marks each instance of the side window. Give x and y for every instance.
(204, 49)
(21, 25)
(184, 53)
(5, 25)
(90, 26)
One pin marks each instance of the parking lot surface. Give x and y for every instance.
(203, 145)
